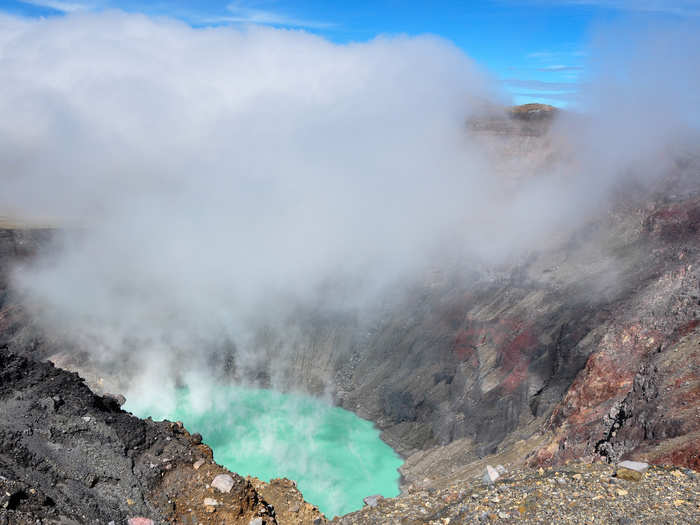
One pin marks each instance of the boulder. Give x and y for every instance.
(222, 483)
(372, 501)
(631, 470)
(637, 466)
(117, 399)
(490, 475)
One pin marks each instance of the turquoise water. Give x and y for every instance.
(335, 457)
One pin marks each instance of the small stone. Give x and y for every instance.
(577, 476)
(222, 483)
(561, 481)
(198, 464)
(490, 475)
(211, 502)
(540, 471)
(503, 515)
(621, 492)
(196, 438)
(256, 521)
(372, 500)
(484, 517)
(140, 521)
(501, 469)
(86, 419)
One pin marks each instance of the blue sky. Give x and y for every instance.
(537, 48)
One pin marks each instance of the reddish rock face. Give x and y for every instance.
(638, 395)
(514, 339)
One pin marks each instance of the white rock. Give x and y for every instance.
(222, 483)
(210, 502)
(637, 466)
(256, 521)
(490, 475)
(198, 464)
(501, 469)
(372, 500)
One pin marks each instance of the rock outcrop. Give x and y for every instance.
(70, 456)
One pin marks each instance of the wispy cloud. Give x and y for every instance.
(63, 7)
(251, 13)
(540, 85)
(560, 67)
(565, 63)
(683, 8)
(568, 97)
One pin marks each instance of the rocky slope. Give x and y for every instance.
(574, 493)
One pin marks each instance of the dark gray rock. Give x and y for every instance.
(79, 459)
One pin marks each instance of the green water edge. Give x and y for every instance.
(335, 457)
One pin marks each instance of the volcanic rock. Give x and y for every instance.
(140, 521)
(631, 470)
(222, 483)
(637, 466)
(372, 500)
(118, 398)
(490, 475)
(58, 468)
